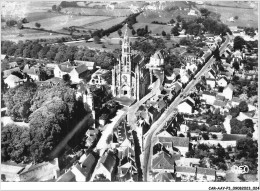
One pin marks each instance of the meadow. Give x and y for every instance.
(246, 17)
(59, 22)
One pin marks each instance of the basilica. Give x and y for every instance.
(130, 77)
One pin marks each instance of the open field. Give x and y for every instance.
(106, 24)
(99, 12)
(57, 23)
(35, 16)
(234, 4)
(155, 28)
(246, 17)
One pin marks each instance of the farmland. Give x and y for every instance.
(97, 12)
(106, 24)
(58, 22)
(246, 17)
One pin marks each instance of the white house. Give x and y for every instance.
(206, 174)
(192, 12)
(185, 173)
(80, 175)
(211, 82)
(222, 82)
(228, 91)
(106, 166)
(157, 60)
(186, 106)
(12, 81)
(98, 78)
(189, 162)
(88, 65)
(209, 97)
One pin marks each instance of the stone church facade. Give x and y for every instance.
(130, 77)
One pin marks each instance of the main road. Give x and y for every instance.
(169, 114)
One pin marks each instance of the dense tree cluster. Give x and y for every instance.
(130, 20)
(241, 127)
(248, 149)
(58, 53)
(239, 42)
(53, 112)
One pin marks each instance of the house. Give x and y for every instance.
(44, 171)
(80, 173)
(189, 162)
(232, 137)
(219, 104)
(33, 72)
(209, 97)
(127, 171)
(13, 81)
(184, 128)
(157, 60)
(91, 135)
(192, 12)
(235, 101)
(162, 162)
(106, 166)
(61, 70)
(13, 65)
(228, 91)
(187, 106)
(222, 81)
(192, 67)
(99, 77)
(185, 173)
(245, 115)
(3, 56)
(205, 174)
(209, 36)
(211, 82)
(76, 74)
(179, 143)
(163, 177)
(7, 73)
(161, 105)
(87, 64)
(10, 171)
(67, 177)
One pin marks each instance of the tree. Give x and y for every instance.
(20, 25)
(243, 107)
(205, 136)
(214, 136)
(163, 33)
(249, 124)
(66, 79)
(234, 111)
(236, 65)
(38, 25)
(119, 32)
(54, 7)
(185, 41)
(203, 147)
(20, 96)
(178, 18)
(175, 31)
(96, 39)
(239, 42)
(172, 21)
(236, 17)
(133, 32)
(204, 12)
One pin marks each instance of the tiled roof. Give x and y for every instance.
(219, 103)
(108, 160)
(88, 163)
(6, 73)
(160, 54)
(163, 161)
(163, 177)
(180, 169)
(209, 93)
(67, 177)
(81, 69)
(65, 68)
(206, 171)
(229, 86)
(161, 104)
(177, 141)
(236, 99)
(220, 97)
(86, 63)
(232, 137)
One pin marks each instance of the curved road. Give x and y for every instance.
(168, 115)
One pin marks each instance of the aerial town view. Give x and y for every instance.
(129, 91)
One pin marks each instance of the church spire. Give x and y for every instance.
(126, 37)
